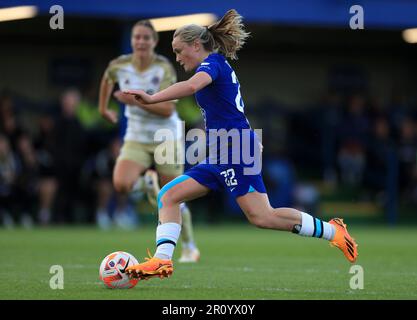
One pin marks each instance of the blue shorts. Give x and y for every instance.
(226, 176)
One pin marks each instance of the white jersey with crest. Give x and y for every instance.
(141, 124)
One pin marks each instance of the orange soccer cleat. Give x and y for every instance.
(153, 267)
(343, 240)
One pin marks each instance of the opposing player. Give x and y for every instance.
(217, 91)
(151, 72)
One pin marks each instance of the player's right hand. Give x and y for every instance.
(140, 96)
(109, 115)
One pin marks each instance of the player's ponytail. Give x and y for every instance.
(226, 36)
(229, 34)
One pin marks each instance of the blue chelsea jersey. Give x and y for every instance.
(221, 102)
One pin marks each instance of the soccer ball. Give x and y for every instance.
(112, 270)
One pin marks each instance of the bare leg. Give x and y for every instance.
(125, 174)
(187, 227)
(47, 191)
(172, 197)
(189, 250)
(259, 212)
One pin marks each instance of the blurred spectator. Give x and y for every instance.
(69, 155)
(331, 118)
(98, 130)
(17, 151)
(397, 110)
(110, 206)
(87, 111)
(9, 123)
(380, 145)
(280, 181)
(27, 179)
(48, 184)
(306, 198)
(353, 136)
(103, 172)
(377, 109)
(8, 177)
(407, 155)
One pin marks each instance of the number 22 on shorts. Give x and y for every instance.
(229, 177)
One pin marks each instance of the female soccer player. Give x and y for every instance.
(151, 72)
(217, 91)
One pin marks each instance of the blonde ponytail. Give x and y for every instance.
(226, 36)
(229, 34)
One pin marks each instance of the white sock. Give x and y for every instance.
(187, 235)
(189, 245)
(139, 185)
(313, 227)
(167, 235)
(138, 189)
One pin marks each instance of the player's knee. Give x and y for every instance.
(121, 186)
(166, 198)
(261, 222)
(257, 219)
(168, 195)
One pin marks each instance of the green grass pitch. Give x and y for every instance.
(238, 262)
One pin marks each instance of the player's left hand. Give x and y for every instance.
(124, 98)
(140, 96)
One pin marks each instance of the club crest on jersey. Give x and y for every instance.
(155, 80)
